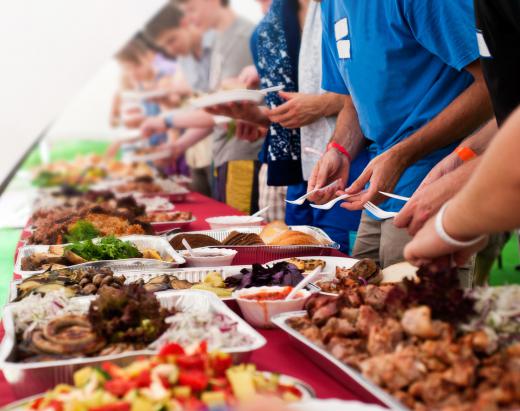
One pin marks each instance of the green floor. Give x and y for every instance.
(68, 150)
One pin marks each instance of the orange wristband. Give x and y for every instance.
(465, 153)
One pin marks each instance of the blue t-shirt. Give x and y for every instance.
(402, 62)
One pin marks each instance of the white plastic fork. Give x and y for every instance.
(301, 200)
(382, 214)
(331, 203)
(397, 197)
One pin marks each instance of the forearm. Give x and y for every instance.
(192, 136)
(465, 114)
(490, 200)
(193, 119)
(348, 131)
(480, 140)
(331, 104)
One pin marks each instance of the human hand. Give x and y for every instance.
(445, 166)
(299, 110)
(152, 126)
(426, 248)
(133, 120)
(425, 203)
(383, 173)
(248, 131)
(332, 166)
(249, 76)
(242, 110)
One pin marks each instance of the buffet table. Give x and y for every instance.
(280, 354)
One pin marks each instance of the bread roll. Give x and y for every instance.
(273, 230)
(294, 238)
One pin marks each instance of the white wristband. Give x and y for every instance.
(441, 232)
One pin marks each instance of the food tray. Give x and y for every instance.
(307, 392)
(353, 380)
(141, 241)
(264, 253)
(31, 378)
(192, 275)
(165, 226)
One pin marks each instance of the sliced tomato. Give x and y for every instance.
(220, 363)
(114, 371)
(203, 347)
(196, 380)
(144, 379)
(117, 406)
(164, 381)
(119, 386)
(55, 405)
(195, 361)
(171, 349)
(36, 403)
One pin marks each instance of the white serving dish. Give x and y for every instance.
(140, 241)
(201, 260)
(165, 226)
(331, 263)
(263, 253)
(351, 379)
(193, 275)
(228, 96)
(259, 313)
(31, 378)
(218, 223)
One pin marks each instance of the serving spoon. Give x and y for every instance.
(259, 213)
(188, 247)
(307, 280)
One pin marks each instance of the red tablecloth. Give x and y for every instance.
(280, 354)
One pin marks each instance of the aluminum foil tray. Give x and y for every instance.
(265, 253)
(32, 378)
(141, 242)
(353, 380)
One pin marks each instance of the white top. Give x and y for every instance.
(317, 134)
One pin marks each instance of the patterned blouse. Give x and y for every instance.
(275, 46)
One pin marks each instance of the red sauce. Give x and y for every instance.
(270, 295)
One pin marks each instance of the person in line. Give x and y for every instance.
(414, 89)
(192, 48)
(498, 33)
(234, 161)
(486, 205)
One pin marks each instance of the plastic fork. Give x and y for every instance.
(301, 200)
(307, 280)
(331, 203)
(397, 197)
(382, 214)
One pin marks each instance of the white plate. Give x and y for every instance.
(334, 405)
(228, 96)
(331, 262)
(143, 95)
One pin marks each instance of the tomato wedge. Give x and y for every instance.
(119, 386)
(195, 361)
(196, 380)
(171, 349)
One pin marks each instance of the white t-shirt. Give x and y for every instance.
(317, 134)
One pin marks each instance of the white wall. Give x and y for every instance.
(50, 50)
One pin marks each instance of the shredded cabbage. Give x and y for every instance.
(498, 313)
(36, 310)
(218, 330)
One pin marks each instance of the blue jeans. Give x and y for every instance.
(341, 225)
